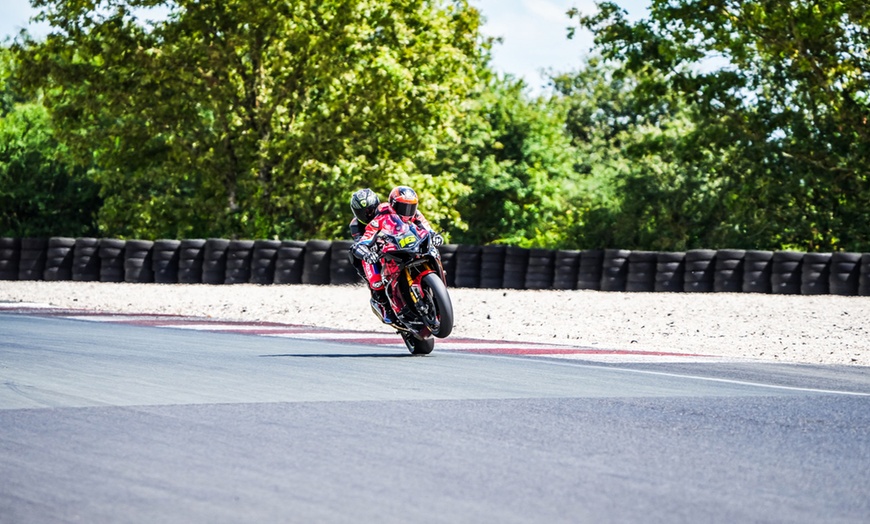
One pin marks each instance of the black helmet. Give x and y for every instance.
(364, 204)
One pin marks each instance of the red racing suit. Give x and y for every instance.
(384, 219)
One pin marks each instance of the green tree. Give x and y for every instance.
(41, 192)
(254, 118)
(778, 94)
(516, 160)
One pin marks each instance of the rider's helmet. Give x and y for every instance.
(364, 204)
(403, 200)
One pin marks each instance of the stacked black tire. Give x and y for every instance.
(320, 262)
(468, 260)
(757, 269)
(700, 271)
(614, 270)
(516, 265)
(290, 262)
(86, 260)
(32, 258)
(641, 271)
(541, 269)
(263, 261)
(191, 255)
(59, 259)
(164, 261)
(240, 253)
(670, 272)
(728, 271)
(590, 270)
(316, 267)
(567, 266)
(492, 266)
(112, 260)
(10, 253)
(845, 274)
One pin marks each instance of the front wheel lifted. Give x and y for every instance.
(417, 346)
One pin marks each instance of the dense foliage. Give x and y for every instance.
(710, 123)
(777, 98)
(42, 193)
(252, 117)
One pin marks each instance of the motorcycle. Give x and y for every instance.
(416, 285)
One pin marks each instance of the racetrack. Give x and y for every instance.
(118, 422)
(815, 329)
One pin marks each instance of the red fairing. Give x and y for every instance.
(387, 220)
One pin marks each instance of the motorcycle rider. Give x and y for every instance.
(364, 205)
(402, 202)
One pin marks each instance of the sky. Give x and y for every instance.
(533, 33)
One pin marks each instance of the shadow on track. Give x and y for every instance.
(342, 355)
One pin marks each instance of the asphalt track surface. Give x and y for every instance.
(117, 422)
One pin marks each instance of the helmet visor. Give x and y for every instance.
(405, 210)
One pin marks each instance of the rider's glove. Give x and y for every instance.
(437, 239)
(372, 258)
(363, 252)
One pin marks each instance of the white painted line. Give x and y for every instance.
(562, 362)
(485, 345)
(209, 326)
(623, 358)
(109, 318)
(340, 335)
(26, 305)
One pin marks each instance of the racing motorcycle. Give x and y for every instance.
(415, 283)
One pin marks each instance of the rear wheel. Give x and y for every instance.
(439, 317)
(417, 346)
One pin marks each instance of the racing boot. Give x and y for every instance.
(382, 307)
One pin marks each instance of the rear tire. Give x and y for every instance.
(434, 288)
(417, 346)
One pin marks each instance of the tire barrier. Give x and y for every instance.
(31, 262)
(468, 266)
(728, 272)
(323, 262)
(492, 259)
(290, 262)
(59, 259)
(785, 273)
(757, 267)
(239, 256)
(516, 265)
(590, 271)
(670, 272)
(137, 262)
(542, 266)
(614, 270)
(448, 262)
(10, 253)
(191, 254)
(111, 255)
(341, 270)
(864, 280)
(86, 260)
(263, 261)
(700, 271)
(316, 266)
(567, 266)
(641, 271)
(164, 261)
(214, 261)
(816, 274)
(845, 274)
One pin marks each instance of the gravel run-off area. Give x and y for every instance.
(818, 329)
